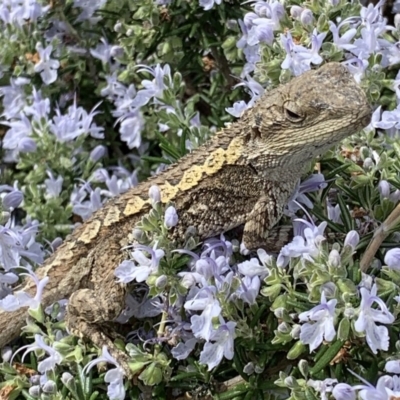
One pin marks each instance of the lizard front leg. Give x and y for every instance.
(89, 309)
(265, 214)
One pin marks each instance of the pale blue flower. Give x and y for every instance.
(357, 68)
(387, 387)
(313, 183)
(209, 4)
(130, 129)
(85, 208)
(46, 66)
(223, 339)
(128, 270)
(343, 391)
(53, 185)
(238, 108)
(393, 366)
(13, 302)
(252, 268)
(206, 302)
(19, 129)
(88, 9)
(76, 122)
(249, 289)
(377, 336)
(38, 108)
(322, 326)
(154, 88)
(182, 350)
(344, 41)
(307, 247)
(14, 97)
(114, 377)
(49, 363)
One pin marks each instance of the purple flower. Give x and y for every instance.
(377, 336)
(223, 339)
(46, 66)
(322, 327)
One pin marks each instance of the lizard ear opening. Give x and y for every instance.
(292, 112)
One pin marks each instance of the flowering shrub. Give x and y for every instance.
(98, 95)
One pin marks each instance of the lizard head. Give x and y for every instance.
(299, 120)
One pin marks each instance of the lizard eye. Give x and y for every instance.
(292, 112)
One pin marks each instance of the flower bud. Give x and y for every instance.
(303, 368)
(6, 353)
(27, 145)
(352, 239)
(12, 199)
(170, 217)
(368, 163)
(34, 391)
(97, 153)
(161, 282)
(50, 387)
(295, 11)
(249, 368)
(392, 258)
(334, 258)
(306, 17)
(155, 194)
(384, 189)
(343, 329)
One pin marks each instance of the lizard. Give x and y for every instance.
(243, 176)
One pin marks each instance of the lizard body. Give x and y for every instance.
(245, 175)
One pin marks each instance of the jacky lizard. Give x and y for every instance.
(244, 175)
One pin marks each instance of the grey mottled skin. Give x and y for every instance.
(244, 175)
